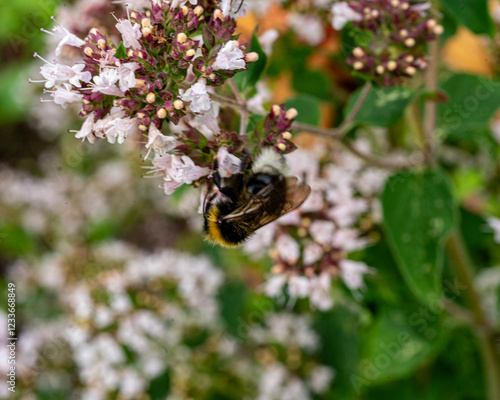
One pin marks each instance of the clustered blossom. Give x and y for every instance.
(309, 247)
(291, 338)
(170, 54)
(275, 130)
(188, 158)
(123, 316)
(398, 32)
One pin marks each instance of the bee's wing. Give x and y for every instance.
(296, 194)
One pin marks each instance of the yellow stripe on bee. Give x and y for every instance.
(213, 234)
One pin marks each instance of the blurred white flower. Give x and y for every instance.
(312, 253)
(126, 75)
(177, 171)
(85, 131)
(308, 28)
(495, 127)
(63, 95)
(352, 273)
(60, 73)
(115, 127)
(106, 81)
(256, 103)
(267, 40)
(321, 378)
(342, 14)
(66, 38)
(322, 231)
(298, 286)
(288, 248)
(132, 384)
(131, 33)
(198, 96)
(274, 285)
(494, 224)
(229, 164)
(180, 3)
(487, 283)
(159, 142)
(229, 57)
(320, 292)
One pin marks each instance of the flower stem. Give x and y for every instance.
(431, 80)
(335, 134)
(243, 110)
(486, 340)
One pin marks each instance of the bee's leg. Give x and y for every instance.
(234, 187)
(207, 202)
(216, 178)
(246, 161)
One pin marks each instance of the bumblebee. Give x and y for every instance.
(245, 202)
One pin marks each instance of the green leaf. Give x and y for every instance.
(419, 212)
(450, 26)
(315, 83)
(102, 230)
(398, 343)
(232, 297)
(159, 387)
(307, 107)
(473, 14)
(339, 332)
(382, 107)
(14, 241)
(473, 100)
(248, 78)
(121, 51)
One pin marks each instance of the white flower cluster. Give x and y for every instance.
(125, 315)
(329, 226)
(99, 327)
(278, 381)
(63, 205)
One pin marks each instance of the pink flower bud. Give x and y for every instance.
(438, 30)
(410, 42)
(198, 10)
(358, 52)
(392, 65)
(358, 65)
(218, 15)
(291, 113)
(161, 113)
(181, 37)
(276, 110)
(251, 57)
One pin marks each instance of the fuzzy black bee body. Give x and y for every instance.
(250, 202)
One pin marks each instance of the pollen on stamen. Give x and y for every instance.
(46, 31)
